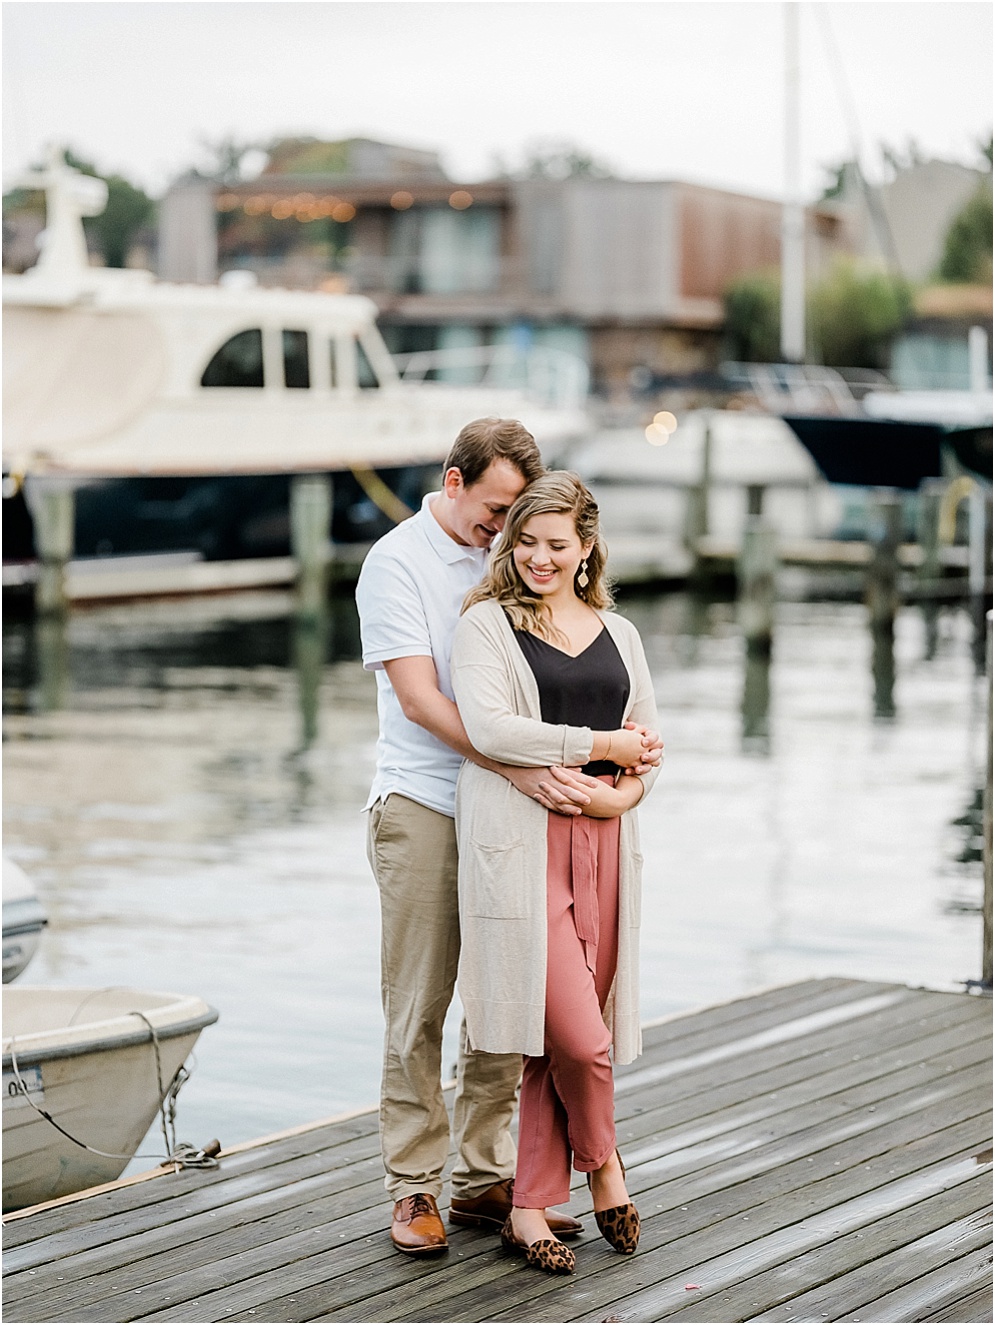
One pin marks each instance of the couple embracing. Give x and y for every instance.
(517, 735)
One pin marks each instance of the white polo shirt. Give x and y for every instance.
(410, 592)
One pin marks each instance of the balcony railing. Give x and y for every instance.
(460, 275)
(555, 378)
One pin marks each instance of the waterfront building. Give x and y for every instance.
(628, 274)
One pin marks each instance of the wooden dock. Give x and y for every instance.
(820, 1151)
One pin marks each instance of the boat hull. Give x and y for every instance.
(890, 453)
(24, 919)
(224, 517)
(97, 1079)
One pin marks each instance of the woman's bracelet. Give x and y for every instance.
(608, 752)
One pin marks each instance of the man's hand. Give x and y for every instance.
(568, 796)
(605, 800)
(653, 756)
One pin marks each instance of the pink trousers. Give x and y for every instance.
(567, 1107)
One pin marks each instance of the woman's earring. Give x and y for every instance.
(582, 577)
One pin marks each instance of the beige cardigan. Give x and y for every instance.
(502, 839)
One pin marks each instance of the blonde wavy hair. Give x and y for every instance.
(558, 492)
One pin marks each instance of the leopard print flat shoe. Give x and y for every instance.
(547, 1254)
(619, 1225)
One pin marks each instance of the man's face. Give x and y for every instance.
(475, 515)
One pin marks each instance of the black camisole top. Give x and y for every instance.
(590, 690)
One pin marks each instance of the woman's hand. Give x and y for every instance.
(626, 746)
(653, 755)
(605, 800)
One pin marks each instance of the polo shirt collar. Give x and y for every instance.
(447, 548)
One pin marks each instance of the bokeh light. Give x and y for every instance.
(401, 200)
(343, 211)
(461, 200)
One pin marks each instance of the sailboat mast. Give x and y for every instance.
(792, 212)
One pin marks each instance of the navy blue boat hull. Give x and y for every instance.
(887, 453)
(223, 518)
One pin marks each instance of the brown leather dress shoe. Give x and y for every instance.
(416, 1227)
(492, 1208)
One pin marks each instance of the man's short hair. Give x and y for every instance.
(486, 440)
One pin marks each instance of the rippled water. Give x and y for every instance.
(184, 784)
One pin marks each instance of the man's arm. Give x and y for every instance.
(416, 684)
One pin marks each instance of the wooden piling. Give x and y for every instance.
(697, 520)
(310, 539)
(883, 598)
(979, 572)
(930, 571)
(53, 512)
(756, 577)
(986, 941)
(881, 585)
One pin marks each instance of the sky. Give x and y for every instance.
(657, 90)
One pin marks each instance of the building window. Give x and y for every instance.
(296, 370)
(239, 362)
(435, 250)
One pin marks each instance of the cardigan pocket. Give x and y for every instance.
(496, 884)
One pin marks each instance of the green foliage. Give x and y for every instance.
(967, 251)
(225, 157)
(128, 209)
(836, 180)
(307, 156)
(854, 313)
(753, 318)
(558, 159)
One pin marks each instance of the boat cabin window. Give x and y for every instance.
(296, 370)
(239, 362)
(366, 377)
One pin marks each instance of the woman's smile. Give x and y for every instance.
(541, 575)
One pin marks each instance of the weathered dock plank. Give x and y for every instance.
(817, 1151)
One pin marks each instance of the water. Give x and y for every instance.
(184, 783)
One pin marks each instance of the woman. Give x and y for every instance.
(544, 673)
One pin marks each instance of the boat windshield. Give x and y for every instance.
(239, 362)
(366, 376)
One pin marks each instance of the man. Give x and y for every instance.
(410, 592)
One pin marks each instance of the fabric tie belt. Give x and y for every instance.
(584, 875)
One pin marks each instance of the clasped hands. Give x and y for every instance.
(569, 791)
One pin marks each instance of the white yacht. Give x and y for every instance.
(178, 412)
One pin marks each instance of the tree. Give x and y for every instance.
(967, 250)
(128, 209)
(753, 318)
(854, 314)
(553, 158)
(227, 158)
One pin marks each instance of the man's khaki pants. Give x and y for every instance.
(412, 850)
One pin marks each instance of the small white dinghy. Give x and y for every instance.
(99, 1062)
(24, 919)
